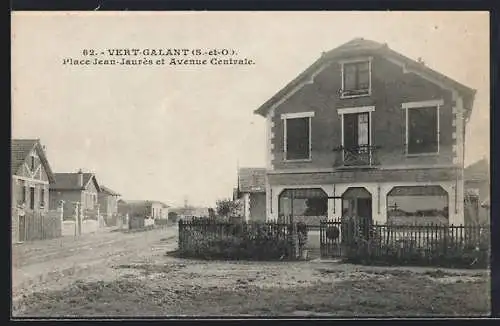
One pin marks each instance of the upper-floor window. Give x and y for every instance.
(356, 78)
(356, 135)
(422, 127)
(297, 135)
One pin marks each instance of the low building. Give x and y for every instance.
(251, 192)
(142, 212)
(108, 203)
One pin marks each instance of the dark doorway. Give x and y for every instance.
(32, 198)
(357, 204)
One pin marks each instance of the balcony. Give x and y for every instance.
(362, 156)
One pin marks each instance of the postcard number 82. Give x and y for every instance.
(88, 52)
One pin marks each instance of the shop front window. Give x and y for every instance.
(421, 205)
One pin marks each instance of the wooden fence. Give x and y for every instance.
(404, 242)
(40, 225)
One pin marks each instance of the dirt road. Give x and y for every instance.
(117, 275)
(56, 263)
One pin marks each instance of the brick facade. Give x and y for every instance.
(390, 88)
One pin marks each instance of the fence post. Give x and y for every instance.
(60, 210)
(100, 219)
(295, 241)
(76, 214)
(181, 235)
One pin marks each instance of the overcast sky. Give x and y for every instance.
(168, 133)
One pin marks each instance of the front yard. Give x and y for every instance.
(167, 286)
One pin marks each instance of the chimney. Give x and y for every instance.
(80, 178)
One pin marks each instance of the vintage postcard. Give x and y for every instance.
(250, 164)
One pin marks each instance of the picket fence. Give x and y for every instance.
(425, 242)
(39, 225)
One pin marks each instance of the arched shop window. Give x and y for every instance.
(417, 205)
(303, 202)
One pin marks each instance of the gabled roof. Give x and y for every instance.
(19, 151)
(252, 179)
(163, 204)
(359, 46)
(477, 171)
(135, 203)
(108, 191)
(69, 181)
(159, 202)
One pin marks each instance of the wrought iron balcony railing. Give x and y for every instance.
(360, 156)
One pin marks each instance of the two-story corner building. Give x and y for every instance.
(108, 204)
(31, 177)
(76, 187)
(367, 132)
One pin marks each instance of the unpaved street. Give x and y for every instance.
(119, 274)
(54, 264)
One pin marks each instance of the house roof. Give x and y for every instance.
(141, 202)
(159, 202)
(194, 211)
(109, 191)
(478, 171)
(362, 46)
(69, 181)
(131, 202)
(252, 179)
(21, 148)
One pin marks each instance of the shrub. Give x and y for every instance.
(258, 248)
(239, 241)
(406, 252)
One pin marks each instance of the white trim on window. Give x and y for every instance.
(423, 104)
(360, 109)
(354, 60)
(299, 115)
(356, 110)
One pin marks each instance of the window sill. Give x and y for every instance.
(357, 167)
(298, 160)
(345, 96)
(422, 154)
